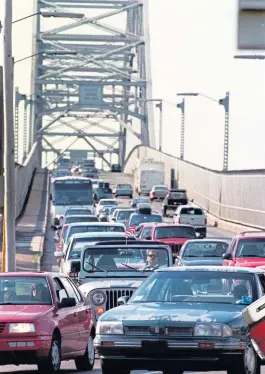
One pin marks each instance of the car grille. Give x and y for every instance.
(2, 326)
(172, 330)
(114, 294)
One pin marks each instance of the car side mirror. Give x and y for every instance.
(67, 302)
(114, 219)
(123, 300)
(58, 254)
(56, 239)
(227, 256)
(75, 267)
(148, 238)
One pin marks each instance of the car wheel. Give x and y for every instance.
(53, 363)
(250, 364)
(87, 361)
(111, 368)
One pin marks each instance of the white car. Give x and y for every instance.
(104, 202)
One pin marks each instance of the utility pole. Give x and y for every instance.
(9, 163)
(182, 129)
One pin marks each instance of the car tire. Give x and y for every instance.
(86, 362)
(52, 364)
(250, 364)
(111, 368)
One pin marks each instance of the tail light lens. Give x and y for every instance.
(153, 193)
(179, 220)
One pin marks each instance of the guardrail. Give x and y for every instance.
(234, 196)
(23, 175)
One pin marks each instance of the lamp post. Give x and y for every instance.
(181, 106)
(225, 103)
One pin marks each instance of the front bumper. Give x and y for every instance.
(24, 350)
(202, 355)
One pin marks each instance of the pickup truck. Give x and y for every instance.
(194, 216)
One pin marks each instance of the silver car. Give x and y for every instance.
(158, 192)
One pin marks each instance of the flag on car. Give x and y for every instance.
(129, 232)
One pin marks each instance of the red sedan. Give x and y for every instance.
(44, 320)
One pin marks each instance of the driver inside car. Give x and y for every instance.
(152, 262)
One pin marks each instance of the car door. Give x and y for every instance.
(67, 320)
(83, 314)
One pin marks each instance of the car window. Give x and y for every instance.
(71, 219)
(69, 289)
(192, 211)
(60, 290)
(77, 292)
(251, 247)
(136, 219)
(175, 232)
(146, 232)
(204, 249)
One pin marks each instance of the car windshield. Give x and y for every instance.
(252, 247)
(220, 287)
(79, 244)
(174, 232)
(192, 211)
(205, 249)
(100, 228)
(125, 259)
(144, 218)
(75, 212)
(76, 192)
(73, 219)
(24, 290)
(109, 202)
(124, 215)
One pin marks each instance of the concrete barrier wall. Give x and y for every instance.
(23, 175)
(235, 196)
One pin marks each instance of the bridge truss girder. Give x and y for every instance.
(84, 79)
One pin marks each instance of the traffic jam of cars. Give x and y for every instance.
(134, 288)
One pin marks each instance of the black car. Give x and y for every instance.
(203, 252)
(139, 200)
(183, 319)
(173, 199)
(116, 168)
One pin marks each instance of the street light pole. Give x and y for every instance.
(9, 164)
(160, 107)
(181, 106)
(225, 103)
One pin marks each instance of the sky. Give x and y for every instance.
(193, 44)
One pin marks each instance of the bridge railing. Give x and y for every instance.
(234, 196)
(23, 175)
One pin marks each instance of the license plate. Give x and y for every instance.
(157, 346)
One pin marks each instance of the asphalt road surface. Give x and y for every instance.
(49, 264)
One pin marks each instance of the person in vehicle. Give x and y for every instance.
(9, 293)
(152, 262)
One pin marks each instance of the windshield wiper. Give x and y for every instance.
(130, 267)
(95, 267)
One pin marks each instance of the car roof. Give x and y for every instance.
(78, 208)
(100, 233)
(25, 274)
(209, 240)
(107, 200)
(117, 224)
(227, 269)
(251, 234)
(70, 177)
(165, 224)
(145, 214)
(133, 243)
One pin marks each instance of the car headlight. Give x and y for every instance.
(212, 329)
(21, 328)
(98, 298)
(109, 328)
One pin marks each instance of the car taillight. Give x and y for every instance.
(153, 193)
(179, 220)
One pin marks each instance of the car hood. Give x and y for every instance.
(250, 262)
(22, 313)
(174, 312)
(202, 261)
(110, 283)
